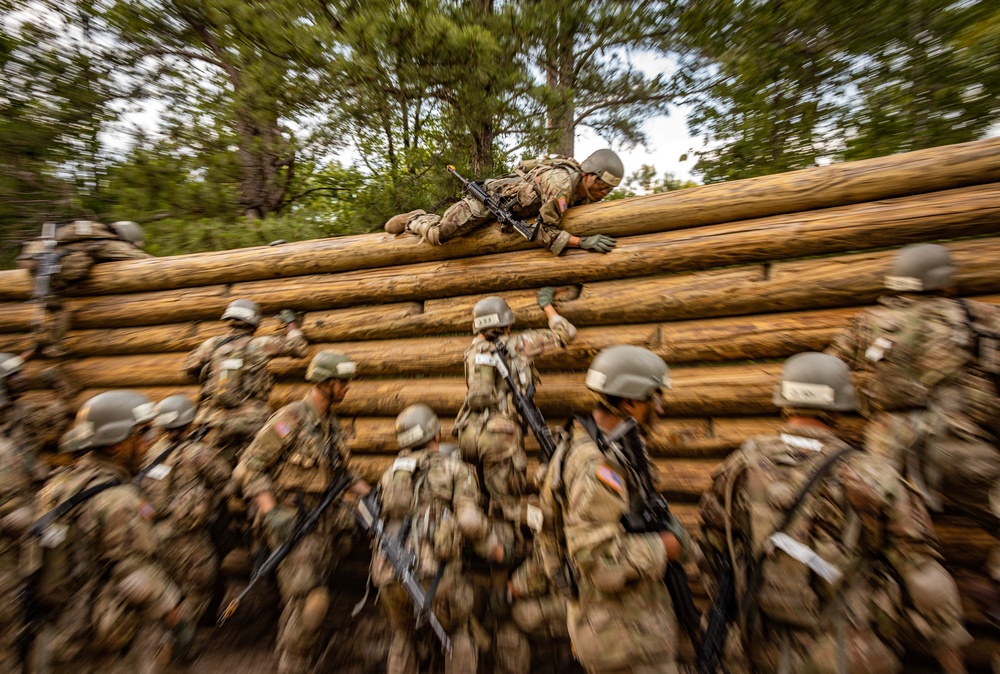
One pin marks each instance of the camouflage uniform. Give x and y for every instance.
(35, 425)
(622, 618)
(928, 387)
(96, 578)
(17, 489)
(185, 491)
(864, 570)
(543, 188)
(80, 245)
(296, 456)
(236, 420)
(441, 498)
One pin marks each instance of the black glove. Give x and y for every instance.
(287, 316)
(279, 523)
(598, 243)
(184, 633)
(546, 296)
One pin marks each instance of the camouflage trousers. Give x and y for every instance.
(51, 323)
(192, 561)
(496, 449)
(510, 647)
(845, 649)
(11, 619)
(409, 647)
(303, 579)
(232, 429)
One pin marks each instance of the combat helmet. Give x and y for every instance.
(246, 311)
(491, 312)
(126, 230)
(176, 411)
(416, 426)
(815, 381)
(327, 365)
(606, 165)
(921, 267)
(107, 419)
(626, 371)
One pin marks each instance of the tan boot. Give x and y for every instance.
(397, 223)
(426, 227)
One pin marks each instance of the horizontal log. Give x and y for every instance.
(900, 175)
(964, 212)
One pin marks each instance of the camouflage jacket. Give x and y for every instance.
(185, 489)
(17, 489)
(488, 394)
(861, 536)
(105, 542)
(623, 614)
(299, 450)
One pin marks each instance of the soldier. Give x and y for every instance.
(284, 472)
(833, 550)
(68, 252)
(182, 482)
(235, 381)
(30, 426)
(95, 577)
(621, 618)
(544, 188)
(491, 434)
(927, 365)
(436, 492)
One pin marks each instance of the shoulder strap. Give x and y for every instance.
(821, 471)
(43, 522)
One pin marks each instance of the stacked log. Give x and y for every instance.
(723, 281)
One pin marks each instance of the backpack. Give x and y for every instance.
(237, 372)
(486, 386)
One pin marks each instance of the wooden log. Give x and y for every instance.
(900, 175)
(969, 211)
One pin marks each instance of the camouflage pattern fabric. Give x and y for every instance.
(854, 572)
(295, 457)
(96, 576)
(545, 191)
(622, 619)
(441, 498)
(235, 425)
(185, 493)
(16, 514)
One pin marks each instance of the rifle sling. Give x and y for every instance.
(757, 576)
(43, 522)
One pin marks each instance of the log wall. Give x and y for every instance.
(723, 281)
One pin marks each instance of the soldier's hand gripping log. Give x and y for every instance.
(497, 207)
(303, 527)
(403, 564)
(525, 402)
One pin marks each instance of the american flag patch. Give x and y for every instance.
(611, 479)
(282, 429)
(562, 204)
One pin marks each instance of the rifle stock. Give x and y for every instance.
(496, 206)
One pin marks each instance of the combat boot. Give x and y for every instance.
(397, 223)
(426, 227)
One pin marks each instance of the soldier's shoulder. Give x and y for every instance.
(287, 420)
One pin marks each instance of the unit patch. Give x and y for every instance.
(611, 479)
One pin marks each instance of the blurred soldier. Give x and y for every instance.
(435, 493)
(834, 554)
(95, 578)
(621, 618)
(182, 482)
(927, 365)
(33, 425)
(491, 435)
(63, 256)
(235, 380)
(284, 472)
(544, 188)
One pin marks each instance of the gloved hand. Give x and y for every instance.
(598, 243)
(279, 523)
(547, 296)
(184, 634)
(287, 316)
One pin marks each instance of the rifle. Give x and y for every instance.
(497, 207)
(48, 266)
(655, 517)
(197, 436)
(723, 611)
(303, 527)
(525, 402)
(403, 563)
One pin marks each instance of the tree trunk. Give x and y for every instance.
(263, 154)
(560, 78)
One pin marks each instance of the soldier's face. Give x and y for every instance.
(645, 412)
(337, 390)
(596, 188)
